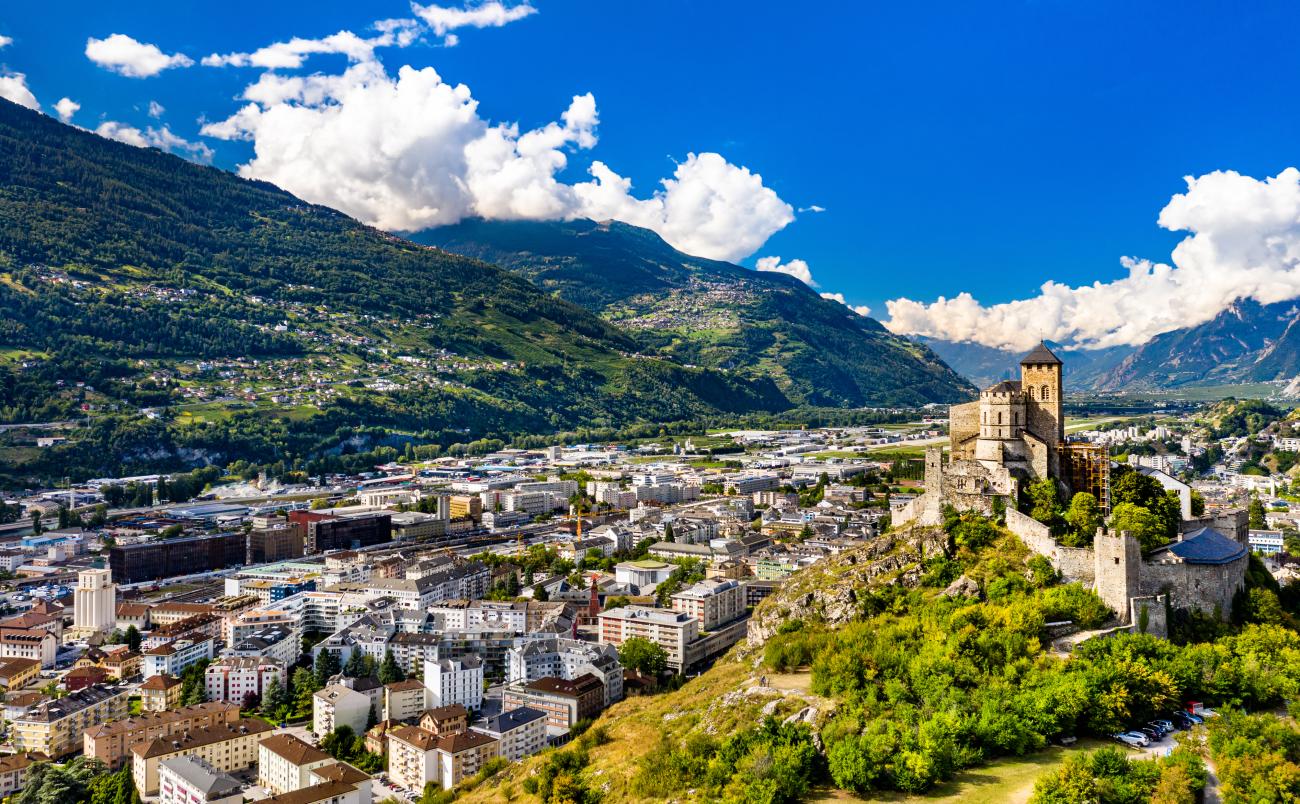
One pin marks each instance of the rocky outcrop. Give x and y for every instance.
(827, 593)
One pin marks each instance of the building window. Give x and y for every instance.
(1046, 393)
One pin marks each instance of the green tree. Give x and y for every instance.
(304, 687)
(389, 671)
(1084, 517)
(356, 665)
(1198, 503)
(133, 638)
(643, 656)
(274, 698)
(1257, 520)
(1043, 499)
(1145, 526)
(327, 666)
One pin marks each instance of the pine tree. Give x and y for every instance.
(389, 672)
(356, 666)
(133, 638)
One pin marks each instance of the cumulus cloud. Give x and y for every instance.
(445, 19)
(796, 268)
(861, 309)
(66, 108)
(161, 138)
(1244, 242)
(13, 86)
(125, 56)
(410, 152)
(156, 109)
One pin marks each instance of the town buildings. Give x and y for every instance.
(235, 678)
(226, 747)
(190, 780)
(55, 728)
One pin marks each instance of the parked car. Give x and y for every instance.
(1164, 724)
(1152, 734)
(1197, 719)
(1137, 740)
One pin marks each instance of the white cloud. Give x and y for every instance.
(291, 55)
(124, 55)
(6, 41)
(161, 138)
(710, 208)
(796, 268)
(156, 109)
(13, 86)
(444, 19)
(66, 108)
(1244, 243)
(861, 309)
(411, 152)
(812, 208)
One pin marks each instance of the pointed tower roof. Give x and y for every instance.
(1039, 356)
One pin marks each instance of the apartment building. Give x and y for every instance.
(672, 630)
(455, 681)
(110, 739)
(332, 783)
(443, 720)
(17, 673)
(226, 747)
(336, 706)
(14, 769)
(711, 602)
(282, 643)
(29, 643)
(160, 694)
(190, 780)
(564, 702)
(54, 728)
(567, 659)
(284, 763)
(417, 757)
(519, 732)
(234, 678)
(172, 658)
(405, 700)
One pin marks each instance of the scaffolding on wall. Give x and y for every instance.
(1087, 468)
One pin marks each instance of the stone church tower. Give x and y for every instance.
(1041, 382)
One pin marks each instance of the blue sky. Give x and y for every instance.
(955, 147)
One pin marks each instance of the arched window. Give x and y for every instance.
(1047, 394)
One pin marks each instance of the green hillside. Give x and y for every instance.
(711, 313)
(254, 325)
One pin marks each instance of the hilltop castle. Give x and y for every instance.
(1013, 435)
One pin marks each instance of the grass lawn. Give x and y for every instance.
(1004, 781)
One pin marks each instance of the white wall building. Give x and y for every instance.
(455, 681)
(337, 706)
(94, 601)
(190, 780)
(234, 678)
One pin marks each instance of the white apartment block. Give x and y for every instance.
(337, 706)
(672, 630)
(284, 763)
(455, 681)
(712, 602)
(234, 678)
(172, 658)
(519, 732)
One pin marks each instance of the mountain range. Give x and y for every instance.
(252, 322)
(709, 313)
(1246, 343)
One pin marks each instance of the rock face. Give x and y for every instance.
(962, 587)
(827, 593)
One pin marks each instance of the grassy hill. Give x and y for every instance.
(711, 313)
(916, 667)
